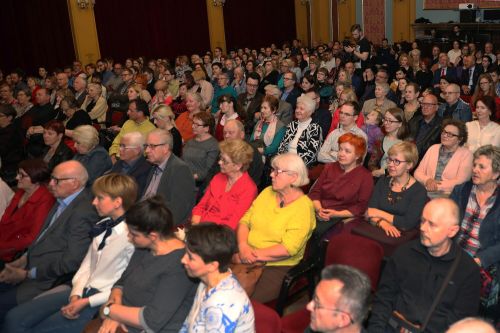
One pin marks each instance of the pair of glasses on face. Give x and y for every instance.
(448, 134)
(152, 146)
(278, 172)
(387, 120)
(317, 306)
(58, 180)
(395, 161)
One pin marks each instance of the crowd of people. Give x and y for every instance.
(163, 196)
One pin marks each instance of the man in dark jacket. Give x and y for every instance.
(416, 272)
(425, 126)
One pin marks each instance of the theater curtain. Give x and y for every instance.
(151, 28)
(258, 23)
(35, 33)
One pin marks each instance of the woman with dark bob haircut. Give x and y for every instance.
(56, 150)
(26, 213)
(154, 294)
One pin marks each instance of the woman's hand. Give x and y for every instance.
(110, 326)
(326, 213)
(247, 254)
(431, 185)
(72, 310)
(389, 229)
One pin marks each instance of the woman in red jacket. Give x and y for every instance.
(26, 213)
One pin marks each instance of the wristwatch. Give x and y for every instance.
(107, 310)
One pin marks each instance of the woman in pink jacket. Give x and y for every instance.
(449, 163)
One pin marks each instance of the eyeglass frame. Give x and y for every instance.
(395, 161)
(317, 305)
(152, 145)
(58, 180)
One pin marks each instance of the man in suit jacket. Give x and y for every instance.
(170, 176)
(290, 92)
(61, 245)
(250, 101)
(80, 85)
(443, 70)
(470, 75)
(132, 161)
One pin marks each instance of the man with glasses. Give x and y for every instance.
(138, 114)
(341, 300)
(290, 92)
(415, 273)
(224, 89)
(349, 112)
(250, 100)
(454, 106)
(61, 245)
(114, 78)
(169, 177)
(132, 161)
(425, 126)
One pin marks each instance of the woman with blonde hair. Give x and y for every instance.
(164, 118)
(88, 152)
(136, 91)
(231, 191)
(184, 122)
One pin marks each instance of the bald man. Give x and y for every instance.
(471, 325)
(414, 275)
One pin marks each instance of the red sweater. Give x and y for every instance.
(20, 226)
(223, 207)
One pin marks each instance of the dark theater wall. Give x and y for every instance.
(35, 33)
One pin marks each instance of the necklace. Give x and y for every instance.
(394, 198)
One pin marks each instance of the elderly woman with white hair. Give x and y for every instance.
(380, 102)
(276, 228)
(302, 136)
(93, 157)
(95, 104)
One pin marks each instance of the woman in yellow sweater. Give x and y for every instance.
(277, 226)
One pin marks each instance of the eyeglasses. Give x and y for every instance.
(449, 134)
(318, 306)
(396, 162)
(58, 180)
(199, 125)
(387, 120)
(278, 172)
(427, 105)
(152, 146)
(450, 92)
(346, 114)
(252, 85)
(127, 147)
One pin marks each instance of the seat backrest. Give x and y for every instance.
(266, 319)
(359, 252)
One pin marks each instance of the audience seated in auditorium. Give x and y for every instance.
(153, 293)
(61, 245)
(106, 259)
(13, 152)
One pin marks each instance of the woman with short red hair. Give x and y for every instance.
(344, 187)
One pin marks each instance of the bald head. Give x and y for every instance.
(469, 325)
(445, 210)
(234, 129)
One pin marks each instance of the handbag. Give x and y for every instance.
(388, 243)
(248, 275)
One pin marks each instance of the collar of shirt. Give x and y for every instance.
(63, 203)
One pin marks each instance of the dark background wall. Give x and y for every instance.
(35, 33)
(38, 33)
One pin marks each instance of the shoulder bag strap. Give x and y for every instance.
(447, 279)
